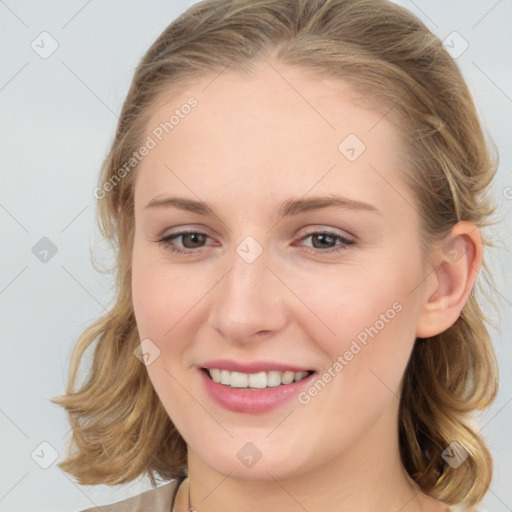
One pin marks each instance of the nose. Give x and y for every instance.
(249, 303)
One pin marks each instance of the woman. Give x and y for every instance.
(296, 192)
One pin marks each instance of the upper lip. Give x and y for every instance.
(252, 367)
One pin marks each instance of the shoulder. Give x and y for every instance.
(159, 499)
(462, 508)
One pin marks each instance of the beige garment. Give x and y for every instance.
(159, 499)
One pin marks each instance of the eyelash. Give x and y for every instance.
(166, 242)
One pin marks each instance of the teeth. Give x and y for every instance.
(239, 380)
(273, 379)
(255, 380)
(287, 377)
(224, 377)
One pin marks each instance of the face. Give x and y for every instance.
(272, 277)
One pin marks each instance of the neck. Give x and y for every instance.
(369, 477)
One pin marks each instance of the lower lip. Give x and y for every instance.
(252, 401)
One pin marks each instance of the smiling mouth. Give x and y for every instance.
(260, 380)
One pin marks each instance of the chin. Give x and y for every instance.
(244, 461)
(261, 471)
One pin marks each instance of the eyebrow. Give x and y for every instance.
(287, 208)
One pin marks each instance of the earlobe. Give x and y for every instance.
(456, 263)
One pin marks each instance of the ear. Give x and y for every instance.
(456, 263)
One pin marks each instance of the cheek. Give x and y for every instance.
(169, 305)
(356, 302)
(159, 305)
(162, 294)
(364, 322)
(147, 299)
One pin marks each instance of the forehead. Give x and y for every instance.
(277, 131)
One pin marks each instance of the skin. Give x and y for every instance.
(251, 143)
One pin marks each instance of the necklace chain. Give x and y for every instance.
(190, 507)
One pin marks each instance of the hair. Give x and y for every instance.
(120, 429)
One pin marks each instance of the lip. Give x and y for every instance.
(252, 401)
(252, 367)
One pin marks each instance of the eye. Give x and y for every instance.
(322, 242)
(190, 239)
(325, 242)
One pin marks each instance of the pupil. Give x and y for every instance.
(324, 238)
(198, 238)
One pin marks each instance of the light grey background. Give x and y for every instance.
(58, 116)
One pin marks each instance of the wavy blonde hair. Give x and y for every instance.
(120, 430)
